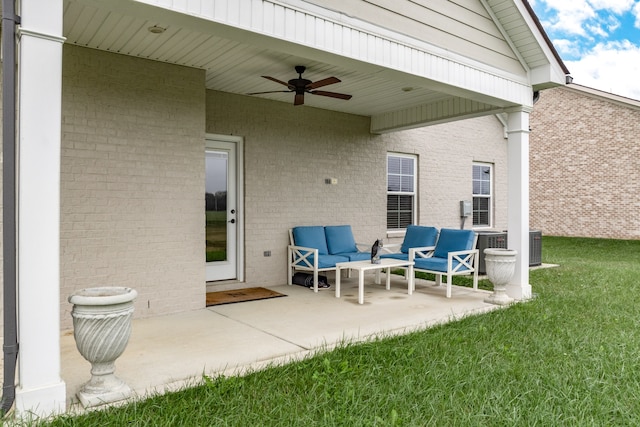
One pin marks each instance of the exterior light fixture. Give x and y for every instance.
(156, 30)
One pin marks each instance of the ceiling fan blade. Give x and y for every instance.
(331, 94)
(299, 99)
(271, 91)
(277, 81)
(323, 82)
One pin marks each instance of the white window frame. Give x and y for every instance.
(413, 193)
(488, 196)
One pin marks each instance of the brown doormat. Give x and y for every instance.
(240, 295)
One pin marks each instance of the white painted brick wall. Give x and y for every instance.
(132, 180)
(289, 151)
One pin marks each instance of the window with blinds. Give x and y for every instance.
(482, 194)
(401, 191)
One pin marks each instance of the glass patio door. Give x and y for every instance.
(221, 211)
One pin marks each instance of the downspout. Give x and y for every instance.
(10, 345)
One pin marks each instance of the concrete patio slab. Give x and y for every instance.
(169, 352)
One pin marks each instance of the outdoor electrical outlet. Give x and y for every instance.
(267, 253)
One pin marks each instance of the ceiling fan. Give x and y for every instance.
(300, 86)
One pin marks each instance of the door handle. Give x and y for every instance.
(232, 221)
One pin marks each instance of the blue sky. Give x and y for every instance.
(598, 40)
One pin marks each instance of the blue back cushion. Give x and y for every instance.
(452, 240)
(311, 237)
(340, 239)
(418, 236)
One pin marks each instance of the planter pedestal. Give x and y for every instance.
(101, 328)
(501, 265)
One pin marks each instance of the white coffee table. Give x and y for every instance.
(363, 266)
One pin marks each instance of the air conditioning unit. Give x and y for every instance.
(497, 239)
(535, 247)
(489, 239)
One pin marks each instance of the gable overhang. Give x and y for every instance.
(552, 72)
(396, 80)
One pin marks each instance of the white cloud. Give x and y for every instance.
(581, 7)
(570, 18)
(636, 13)
(611, 67)
(615, 6)
(567, 48)
(593, 39)
(587, 17)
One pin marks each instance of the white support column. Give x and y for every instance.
(518, 203)
(40, 388)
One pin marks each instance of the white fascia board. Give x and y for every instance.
(551, 74)
(547, 76)
(605, 96)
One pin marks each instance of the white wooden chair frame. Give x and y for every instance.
(467, 261)
(300, 254)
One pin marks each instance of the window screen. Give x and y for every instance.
(482, 194)
(401, 194)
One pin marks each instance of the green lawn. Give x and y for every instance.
(216, 235)
(568, 357)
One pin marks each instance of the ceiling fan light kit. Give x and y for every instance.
(301, 86)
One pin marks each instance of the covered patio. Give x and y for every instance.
(170, 352)
(116, 100)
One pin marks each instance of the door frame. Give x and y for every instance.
(239, 187)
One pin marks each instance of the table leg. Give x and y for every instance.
(361, 286)
(410, 280)
(377, 280)
(338, 282)
(388, 278)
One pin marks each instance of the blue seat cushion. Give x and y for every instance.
(418, 236)
(311, 236)
(436, 264)
(400, 256)
(340, 239)
(452, 240)
(325, 261)
(357, 256)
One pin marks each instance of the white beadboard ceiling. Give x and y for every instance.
(236, 67)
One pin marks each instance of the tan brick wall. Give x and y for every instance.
(289, 151)
(132, 180)
(585, 166)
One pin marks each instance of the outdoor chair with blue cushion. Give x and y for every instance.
(455, 254)
(317, 248)
(418, 238)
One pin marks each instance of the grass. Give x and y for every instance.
(216, 236)
(569, 357)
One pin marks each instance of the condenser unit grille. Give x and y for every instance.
(489, 240)
(494, 239)
(535, 248)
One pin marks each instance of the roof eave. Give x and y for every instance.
(545, 37)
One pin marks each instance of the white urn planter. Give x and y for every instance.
(101, 328)
(500, 265)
